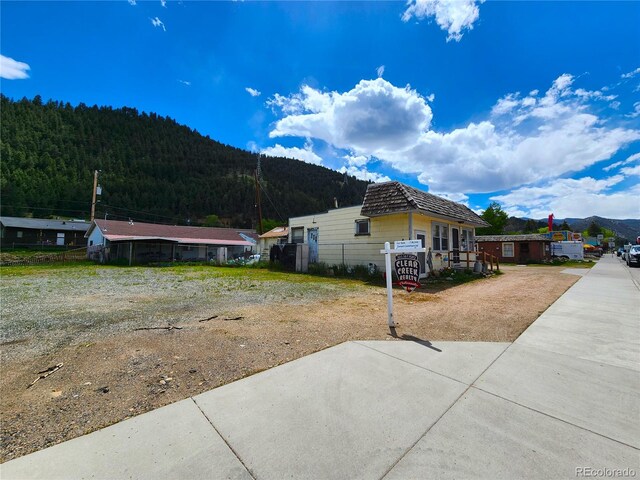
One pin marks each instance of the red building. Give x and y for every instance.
(516, 248)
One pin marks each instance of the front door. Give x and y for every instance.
(455, 245)
(422, 236)
(312, 240)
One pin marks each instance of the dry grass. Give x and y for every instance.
(85, 317)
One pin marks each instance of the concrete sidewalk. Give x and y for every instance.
(564, 396)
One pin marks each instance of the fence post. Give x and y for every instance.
(343, 253)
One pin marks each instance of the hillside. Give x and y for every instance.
(627, 229)
(153, 169)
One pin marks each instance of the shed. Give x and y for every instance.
(516, 248)
(273, 237)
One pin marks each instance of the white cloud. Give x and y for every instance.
(132, 2)
(631, 74)
(636, 111)
(631, 171)
(163, 3)
(431, 98)
(380, 71)
(364, 174)
(253, 92)
(158, 23)
(252, 146)
(454, 16)
(11, 69)
(373, 115)
(633, 158)
(524, 140)
(305, 154)
(356, 160)
(185, 82)
(580, 198)
(453, 196)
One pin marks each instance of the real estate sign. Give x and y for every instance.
(408, 271)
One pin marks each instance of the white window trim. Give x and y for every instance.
(444, 227)
(513, 249)
(470, 238)
(362, 220)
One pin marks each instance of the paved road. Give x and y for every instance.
(560, 402)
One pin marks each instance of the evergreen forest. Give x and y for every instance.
(151, 169)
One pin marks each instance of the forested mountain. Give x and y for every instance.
(152, 169)
(627, 229)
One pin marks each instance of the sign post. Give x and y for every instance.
(407, 269)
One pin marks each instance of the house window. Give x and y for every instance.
(19, 234)
(297, 235)
(466, 245)
(363, 227)
(507, 249)
(440, 237)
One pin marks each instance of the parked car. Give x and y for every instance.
(633, 256)
(255, 258)
(620, 252)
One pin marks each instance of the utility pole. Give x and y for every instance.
(258, 204)
(96, 191)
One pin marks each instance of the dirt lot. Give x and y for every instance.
(85, 317)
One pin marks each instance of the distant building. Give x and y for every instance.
(38, 232)
(272, 237)
(138, 243)
(516, 248)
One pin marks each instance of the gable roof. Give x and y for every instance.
(115, 230)
(278, 232)
(394, 197)
(45, 224)
(533, 237)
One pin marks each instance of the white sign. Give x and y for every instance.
(402, 247)
(408, 245)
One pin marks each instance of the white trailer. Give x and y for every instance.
(569, 249)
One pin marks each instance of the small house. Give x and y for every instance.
(516, 248)
(42, 232)
(275, 236)
(136, 242)
(390, 211)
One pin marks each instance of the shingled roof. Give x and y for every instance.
(394, 197)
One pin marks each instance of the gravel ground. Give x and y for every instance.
(85, 317)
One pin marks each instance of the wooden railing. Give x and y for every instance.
(485, 258)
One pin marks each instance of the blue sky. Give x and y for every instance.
(535, 105)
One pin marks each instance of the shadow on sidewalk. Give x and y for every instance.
(411, 338)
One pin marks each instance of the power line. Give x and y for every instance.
(270, 201)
